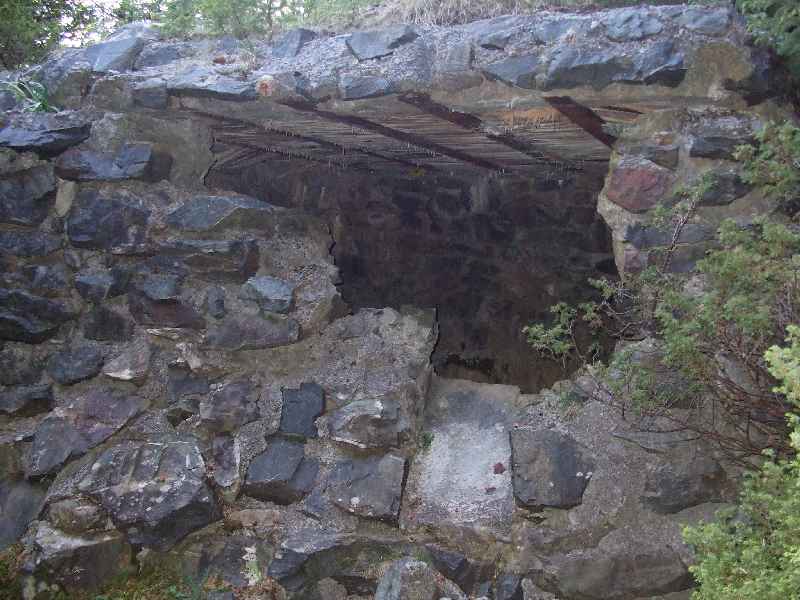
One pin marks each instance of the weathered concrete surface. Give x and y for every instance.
(461, 482)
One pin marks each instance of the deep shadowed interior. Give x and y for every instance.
(490, 254)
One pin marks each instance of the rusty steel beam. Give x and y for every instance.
(241, 127)
(583, 116)
(395, 134)
(423, 102)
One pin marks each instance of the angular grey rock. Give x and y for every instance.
(368, 424)
(76, 515)
(132, 365)
(78, 563)
(409, 579)
(299, 548)
(72, 365)
(164, 313)
(213, 213)
(28, 318)
(358, 87)
(215, 302)
(226, 458)
(517, 70)
(160, 286)
(26, 401)
(47, 134)
(236, 333)
(205, 82)
(26, 196)
(19, 366)
(292, 42)
(641, 236)
(150, 94)
(115, 55)
(20, 503)
(96, 286)
(132, 161)
(712, 22)
(661, 63)
(271, 294)
(508, 587)
(366, 45)
(281, 473)
(226, 560)
(301, 408)
(154, 491)
(74, 428)
(216, 260)
(550, 469)
(630, 25)
(107, 325)
(229, 407)
(687, 479)
(716, 145)
(159, 54)
(28, 244)
(369, 487)
(109, 224)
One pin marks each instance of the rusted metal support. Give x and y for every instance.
(423, 102)
(583, 116)
(395, 134)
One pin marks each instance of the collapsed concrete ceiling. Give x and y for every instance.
(537, 96)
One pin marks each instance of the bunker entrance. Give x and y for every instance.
(490, 253)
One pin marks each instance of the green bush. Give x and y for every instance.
(753, 552)
(776, 24)
(29, 29)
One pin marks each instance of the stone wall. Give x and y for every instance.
(182, 382)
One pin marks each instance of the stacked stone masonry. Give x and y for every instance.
(179, 372)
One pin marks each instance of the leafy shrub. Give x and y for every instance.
(29, 29)
(32, 95)
(712, 334)
(753, 552)
(776, 24)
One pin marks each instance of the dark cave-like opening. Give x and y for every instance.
(490, 254)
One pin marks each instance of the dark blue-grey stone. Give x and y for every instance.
(232, 261)
(205, 82)
(238, 333)
(278, 474)
(518, 70)
(270, 293)
(48, 134)
(96, 286)
(115, 55)
(109, 224)
(355, 87)
(215, 302)
(632, 24)
(20, 503)
(301, 408)
(207, 213)
(75, 364)
(132, 161)
(29, 243)
(550, 469)
(26, 196)
(26, 401)
(292, 42)
(25, 317)
(107, 325)
(366, 45)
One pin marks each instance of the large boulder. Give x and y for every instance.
(154, 491)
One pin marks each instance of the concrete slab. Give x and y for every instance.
(462, 481)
